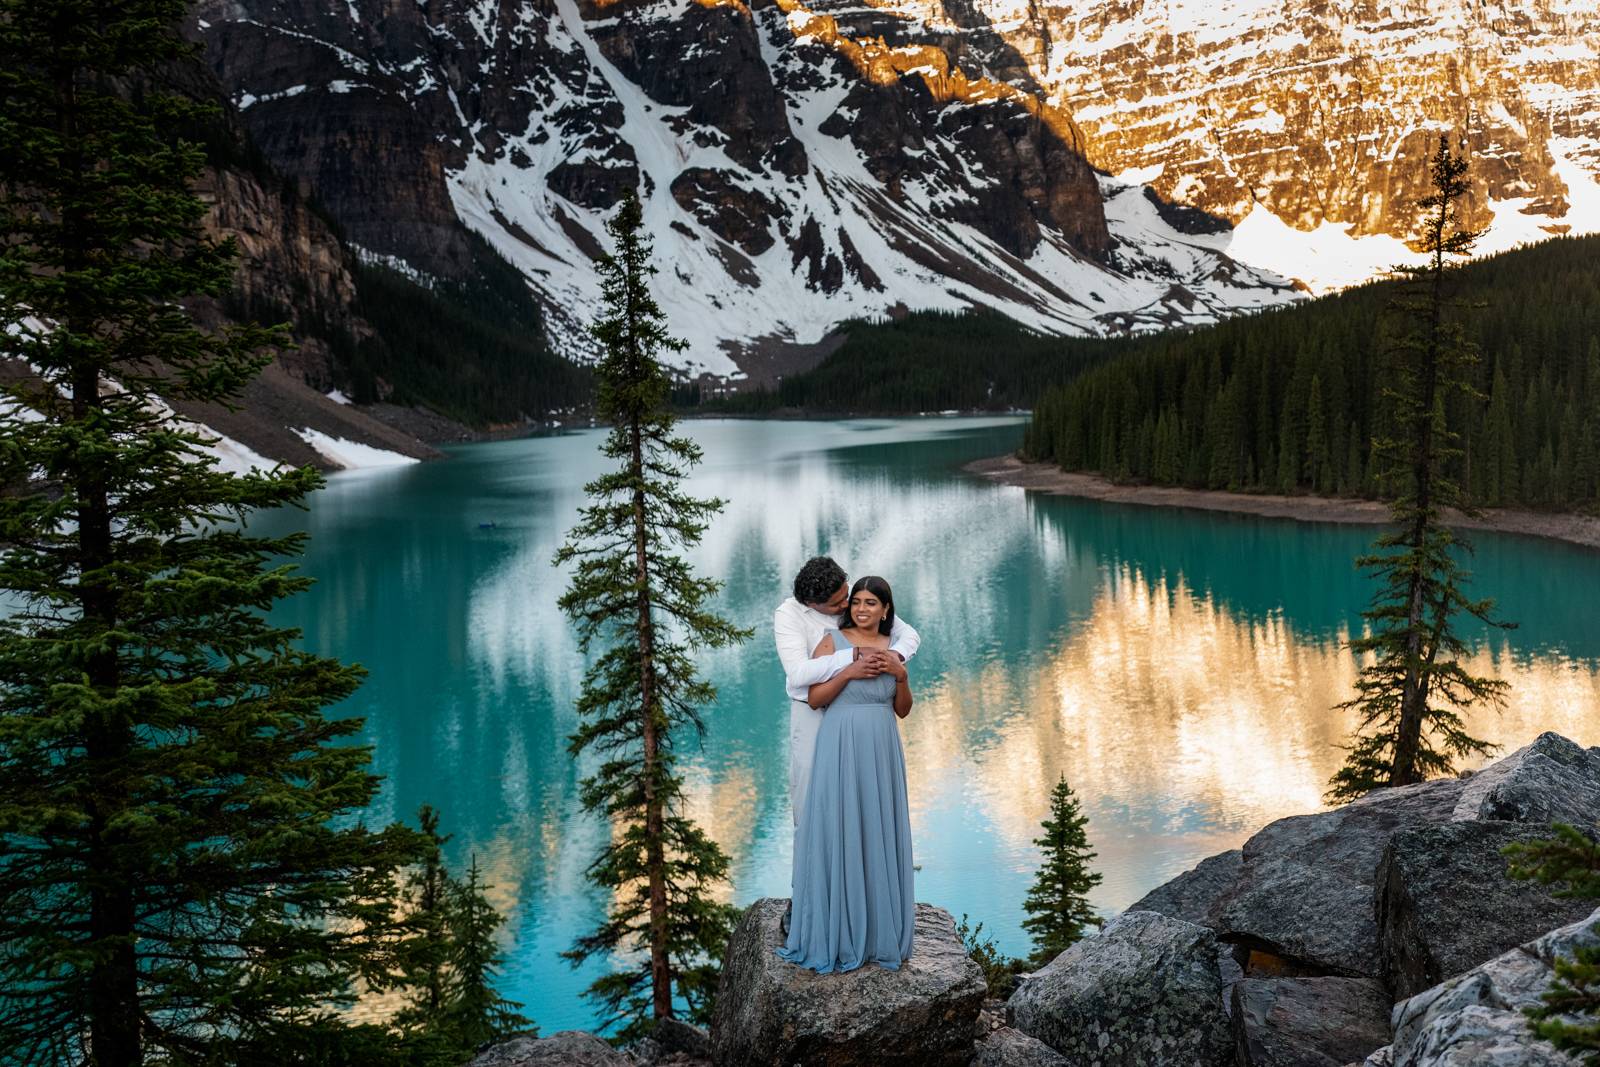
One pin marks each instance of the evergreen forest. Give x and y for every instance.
(1290, 400)
(925, 361)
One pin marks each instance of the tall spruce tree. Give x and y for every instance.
(642, 605)
(1058, 907)
(1570, 1014)
(1412, 687)
(180, 876)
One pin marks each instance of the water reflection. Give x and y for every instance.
(1178, 667)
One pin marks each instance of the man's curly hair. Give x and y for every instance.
(818, 580)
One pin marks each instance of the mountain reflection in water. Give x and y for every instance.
(1179, 667)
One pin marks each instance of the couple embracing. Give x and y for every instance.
(844, 658)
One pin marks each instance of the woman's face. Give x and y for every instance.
(866, 610)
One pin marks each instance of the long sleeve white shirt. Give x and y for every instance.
(798, 629)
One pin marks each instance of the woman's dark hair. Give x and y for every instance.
(818, 580)
(878, 588)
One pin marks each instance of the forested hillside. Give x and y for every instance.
(926, 361)
(1289, 400)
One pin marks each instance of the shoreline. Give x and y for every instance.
(1581, 530)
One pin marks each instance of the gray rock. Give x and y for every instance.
(673, 1043)
(1476, 1017)
(675, 1035)
(1308, 1022)
(569, 1048)
(1306, 885)
(1550, 780)
(770, 1011)
(1446, 904)
(1006, 1047)
(1143, 992)
(1384, 1057)
(1192, 895)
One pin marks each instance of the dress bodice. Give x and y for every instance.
(879, 690)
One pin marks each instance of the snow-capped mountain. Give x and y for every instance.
(802, 163)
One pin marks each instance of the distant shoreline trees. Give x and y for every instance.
(1289, 400)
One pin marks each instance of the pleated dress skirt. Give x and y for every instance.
(854, 902)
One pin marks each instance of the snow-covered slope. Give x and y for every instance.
(792, 175)
(805, 161)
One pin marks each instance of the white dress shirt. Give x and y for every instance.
(798, 630)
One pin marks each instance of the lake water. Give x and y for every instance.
(1177, 666)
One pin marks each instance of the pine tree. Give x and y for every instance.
(1410, 692)
(646, 610)
(477, 1014)
(1570, 1014)
(1058, 907)
(181, 878)
(1319, 466)
(424, 956)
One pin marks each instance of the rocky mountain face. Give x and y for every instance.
(796, 167)
(1313, 116)
(1100, 168)
(358, 334)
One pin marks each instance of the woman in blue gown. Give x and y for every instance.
(853, 898)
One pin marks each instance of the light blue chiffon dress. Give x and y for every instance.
(853, 897)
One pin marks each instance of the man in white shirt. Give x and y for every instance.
(821, 595)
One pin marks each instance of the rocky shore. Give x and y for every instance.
(1048, 478)
(1385, 933)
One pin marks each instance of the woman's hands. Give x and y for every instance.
(863, 666)
(867, 663)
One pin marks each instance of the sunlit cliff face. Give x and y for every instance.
(1305, 125)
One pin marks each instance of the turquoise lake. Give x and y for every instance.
(1177, 666)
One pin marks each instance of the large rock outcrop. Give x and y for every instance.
(1193, 895)
(1550, 780)
(1307, 885)
(1010, 1047)
(568, 1048)
(770, 1011)
(1305, 888)
(1477, 1017)
(1446, 902)
(1145, 990)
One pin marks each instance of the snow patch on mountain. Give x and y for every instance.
(351, 455)
(720, 297)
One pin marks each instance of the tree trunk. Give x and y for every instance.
(113, 993)
(113, 976)
(1414, 699)
(649, 700)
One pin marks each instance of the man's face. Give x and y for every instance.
(835, 604)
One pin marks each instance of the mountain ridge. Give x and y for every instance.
(803, 162)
